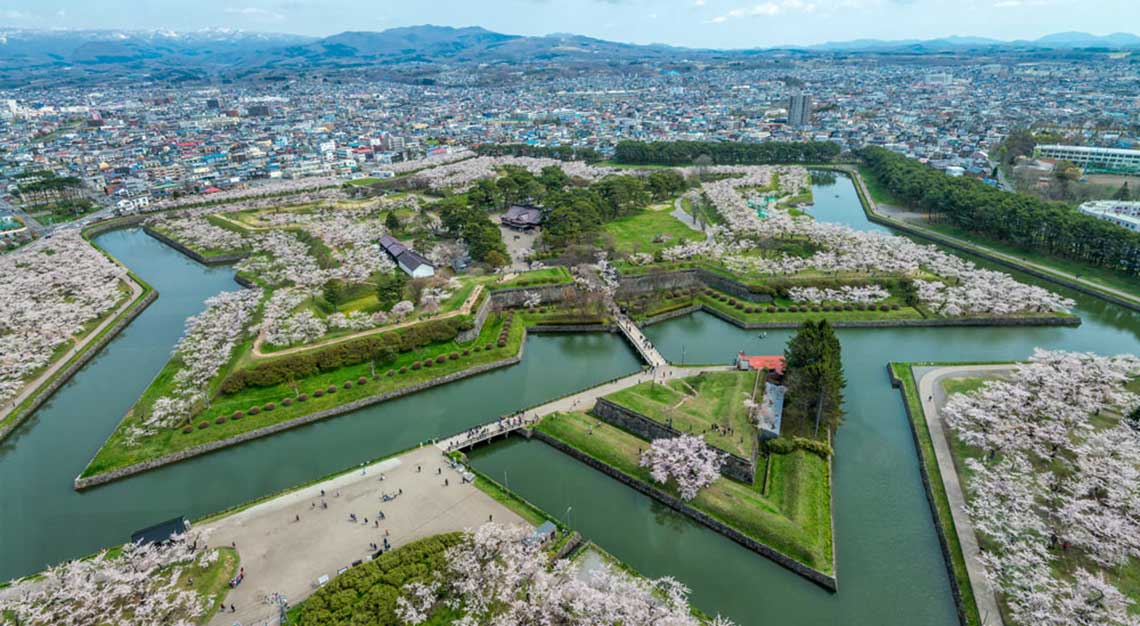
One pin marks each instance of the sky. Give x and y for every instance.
(695, 23)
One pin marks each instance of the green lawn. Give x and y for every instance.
(116, 453)
(1099, 275)
(962, 385)
(697, 403)
(794, 519)
(636, 233)
(555, 275)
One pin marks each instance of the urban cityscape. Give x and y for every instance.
(667, 322)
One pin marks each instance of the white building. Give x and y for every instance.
(1109, 159)
(1123, 214)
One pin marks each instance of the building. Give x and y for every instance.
(774, 364)
(1092, 159)
(523, 217)
(1123, 214)
(408, 260)
(161, 533)
(799, 110)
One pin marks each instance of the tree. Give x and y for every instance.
(390, 289)
(814, 377)
(1123, 194)
(496, 576)
(332, 291)
(391, 222)
(686, 460)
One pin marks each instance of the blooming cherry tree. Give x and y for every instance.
(687, 460)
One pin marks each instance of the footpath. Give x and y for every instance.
(1047, 272)
(32, 386)
(933, 397)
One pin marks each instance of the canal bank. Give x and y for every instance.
(892, 565)
(43, 520)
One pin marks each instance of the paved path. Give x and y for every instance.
(640, 342)
(465, 309)
(34, 385)
(581, 401)
(282, 555)
(933, 398)
(1047, 269)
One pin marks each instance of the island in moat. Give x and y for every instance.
(357, 295)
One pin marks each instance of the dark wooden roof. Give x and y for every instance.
(162, 532)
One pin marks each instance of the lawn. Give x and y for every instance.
(555, 275)
(795, 519)
(962, 385)
(637, 233)
(116, 453)
(212, 582)
(697, 403)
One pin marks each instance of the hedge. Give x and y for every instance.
(365, 595)
(782, 445)
(382, 348)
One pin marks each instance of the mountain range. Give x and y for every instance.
(23, 49)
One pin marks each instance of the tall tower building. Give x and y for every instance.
(799, 110)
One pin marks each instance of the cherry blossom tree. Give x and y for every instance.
(496, 577)
(1056, 491)
(686, 460)
(142, 586)
(52, 288)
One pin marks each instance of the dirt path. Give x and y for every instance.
(465, 309)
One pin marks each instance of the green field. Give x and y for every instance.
(695, 404)
(636, 233)
(556, 275)
(793, 518)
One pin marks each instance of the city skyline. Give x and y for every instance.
(688, 23)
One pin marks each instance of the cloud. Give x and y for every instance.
(12, 14)
(767, 9)
(256, 13)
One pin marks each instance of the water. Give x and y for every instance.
(43, 520)
(889, 565)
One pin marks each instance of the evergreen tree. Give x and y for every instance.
(391, 221)
(390, 289)
(814, 379)
(1123, 194)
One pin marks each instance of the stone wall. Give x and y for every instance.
(729, 286)
(65, 375)
(816, 576)
(734, 467)
(1042, 320)
(656, 281)
(220, 259)
(515, 297)
(138, 468)
(480, 318)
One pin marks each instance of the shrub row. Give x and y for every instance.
(783, 445)
(382, 348)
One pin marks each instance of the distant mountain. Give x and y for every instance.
(38, 53)
(21, 48)
(1069, 40)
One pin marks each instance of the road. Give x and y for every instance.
(933, 397)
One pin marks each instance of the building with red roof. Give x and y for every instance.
(773, 364)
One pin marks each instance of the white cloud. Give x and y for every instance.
(767, 9)
(256, 13)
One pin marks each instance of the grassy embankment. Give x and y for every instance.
(793, 517)
(117, 453)
(696, 404)
(1097, 275)
(941, 504)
